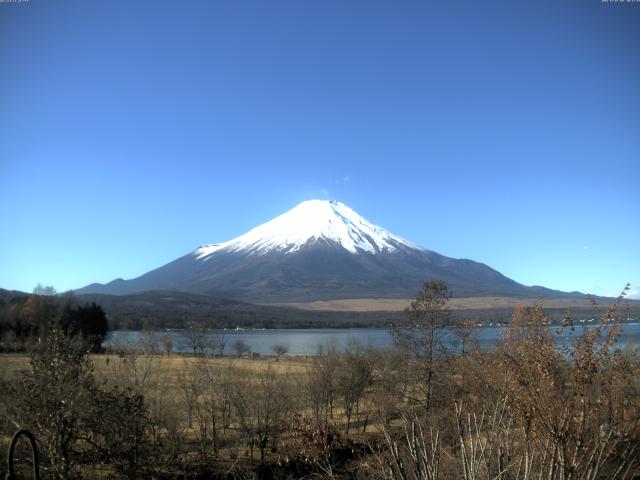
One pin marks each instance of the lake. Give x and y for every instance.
(307, 341)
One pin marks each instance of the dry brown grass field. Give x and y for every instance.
(399, 304)
(171, 366)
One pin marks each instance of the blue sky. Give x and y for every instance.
(503, 131)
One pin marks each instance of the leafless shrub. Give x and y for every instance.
(241, 348)
(578, 418)
(353, 377)
(167, 344)
(320, 385)
(279, 349)
(189, 386)
(411, 455)
(486, 446)
(213, 395)
(312, 443)
(261, 410)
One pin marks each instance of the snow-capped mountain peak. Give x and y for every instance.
(312, 220)
(319, 250)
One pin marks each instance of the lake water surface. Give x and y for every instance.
(307, 341)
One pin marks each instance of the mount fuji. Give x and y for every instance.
(319, 250)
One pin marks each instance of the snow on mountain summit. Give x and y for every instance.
(309, 221)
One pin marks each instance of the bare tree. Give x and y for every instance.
(419, 334)
(195, 337)
(47, 291)
(241, 348)
(262, 409)
(149, 342)
(279, 349)
(321, 383)
(133, 369)
(167, 344)
(354, 375)
(466, 335)
(213, 403)
(392, 381)
(218, 343)
(189, 384)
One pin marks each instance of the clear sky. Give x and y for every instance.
(507, 132)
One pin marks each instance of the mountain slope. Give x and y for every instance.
(318, 250)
